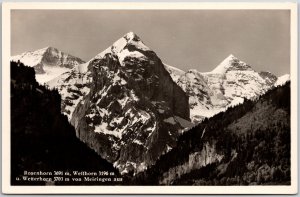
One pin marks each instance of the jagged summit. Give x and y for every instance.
(128, 45)
(48, 55)
(48, 62)
(52, 49)
(131, 36)
(231, 57)
(231, 63)
(42, 50)
(49, 48)
(37, 52)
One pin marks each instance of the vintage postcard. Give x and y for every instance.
(149, 98)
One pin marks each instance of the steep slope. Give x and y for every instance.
(48, 62)
(247, 145)
(227, 85)
(204, 100)
(72, 85)
(268, 77)
(124, 104)
(41, 137)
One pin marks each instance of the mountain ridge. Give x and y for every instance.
(226, 85)
(48, 62)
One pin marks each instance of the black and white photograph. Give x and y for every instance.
(128, 95)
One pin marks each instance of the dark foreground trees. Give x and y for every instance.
(41, 137)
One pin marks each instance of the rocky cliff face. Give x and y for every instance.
(248, 144)
(227, 85)
(208, 155)
(125, 105)
(48, 62)
(268, 77)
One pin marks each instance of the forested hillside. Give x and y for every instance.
(246, 145)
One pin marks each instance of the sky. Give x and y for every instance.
(186, 39)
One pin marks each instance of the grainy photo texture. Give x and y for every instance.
(150, 97)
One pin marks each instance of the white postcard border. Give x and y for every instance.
(8, 189)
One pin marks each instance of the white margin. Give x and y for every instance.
(8, 189)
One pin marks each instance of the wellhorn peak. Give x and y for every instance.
(128, 42)
(231, 63)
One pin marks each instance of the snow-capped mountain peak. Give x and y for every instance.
(48, 62)
(49, 48)
(128, 45)
(227, 85)
(30, 58)
(230, 63)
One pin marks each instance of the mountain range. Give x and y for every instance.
(227, 85)
(131, 108)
